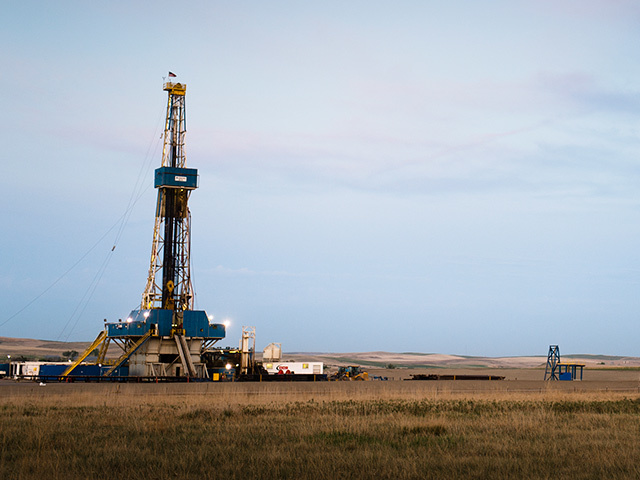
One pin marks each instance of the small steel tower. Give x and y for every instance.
(553, 359)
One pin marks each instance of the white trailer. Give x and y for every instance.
(295, 368)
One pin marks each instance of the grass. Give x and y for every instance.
(497, 435)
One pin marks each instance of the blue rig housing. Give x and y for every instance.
(195, 324)
(174, 177)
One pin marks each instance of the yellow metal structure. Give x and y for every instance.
(103, 351)
(175, 88)
(98, 341)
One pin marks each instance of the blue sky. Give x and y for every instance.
(456, 177)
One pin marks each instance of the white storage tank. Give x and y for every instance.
(272, 353)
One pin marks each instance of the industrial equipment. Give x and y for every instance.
(351, 372)
(247, 349)
(553, 358)
(240, 364)
(231, 363)
(272, 353)
(165, 337)
(557, 370)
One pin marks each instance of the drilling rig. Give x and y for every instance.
(165, 337)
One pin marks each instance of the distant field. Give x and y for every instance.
(437, 360)
(30, 347)
(382, 430)
(36, 349)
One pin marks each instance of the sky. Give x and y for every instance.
(450, 177)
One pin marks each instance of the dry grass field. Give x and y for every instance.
(337, 430)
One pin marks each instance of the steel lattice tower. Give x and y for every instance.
(165, 337)
(553, 359)
(169, 281)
